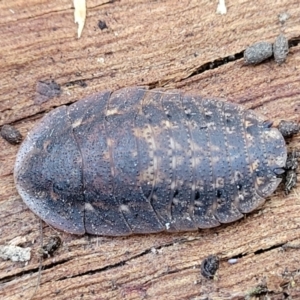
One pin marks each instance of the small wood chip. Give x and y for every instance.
(15, 253)
(80, 14)
(221, 9)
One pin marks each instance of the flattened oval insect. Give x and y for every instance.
(139, 161)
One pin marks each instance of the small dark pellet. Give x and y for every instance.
(46, 90)
(52, 245)
(209, 266)
(102, 25)
(292, 160)
(258, 52)
(280, 49)
(49, 89)
(11, 134)
(290, 178)
(288, 129)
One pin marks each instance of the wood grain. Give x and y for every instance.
(165, 43)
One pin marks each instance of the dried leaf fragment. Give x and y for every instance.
(80, 14)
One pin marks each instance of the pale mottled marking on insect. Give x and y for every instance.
(181, 157)
(154, 197)
(158, 176)
(173, 185)
(250, 139)
(248, 123)
(220, 182)
(237, 175)
(216, 148)
(179, 161)
(215, 159)
(187, 217)
(211, 125)
(98, 204)
(279, 160)
(258, 181)
(222, 115)
(200, 154)
(109, 144)
(106, 155)
(77, 123)
(237, 199)
(254, 165)
(51, 132)
(270, 134)
(201, 185)
(53, 195)
(198, 149)
(177, 145)
(270, 186)
(112, 111)
(146, 174)
(171, 152)
(180, 182)
(175, 201)
(230, 130)
(207, 152)
(89, 207)
(150, 174)
(124, 208)
(46, 144)
(199, 203)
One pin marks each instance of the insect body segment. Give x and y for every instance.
(48, 173)
(139, 161)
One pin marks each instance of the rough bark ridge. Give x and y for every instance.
(181, 44)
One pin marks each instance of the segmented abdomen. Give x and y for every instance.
(141, 161)
(155, 160)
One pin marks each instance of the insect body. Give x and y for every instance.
(139, 161)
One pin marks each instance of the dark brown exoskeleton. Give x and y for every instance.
(140, 161)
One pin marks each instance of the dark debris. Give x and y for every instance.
(290, 179)
(288, 128)
(11, 134)
(102, 25)
(209, 266)
(52, 245)
(46, 90)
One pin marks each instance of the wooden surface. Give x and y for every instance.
(166, 43)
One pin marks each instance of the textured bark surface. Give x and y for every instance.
(181, 44)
